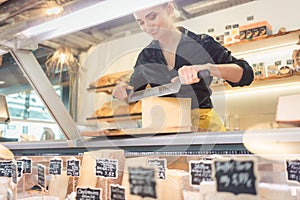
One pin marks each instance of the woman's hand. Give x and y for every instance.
(120, 91)
(189, 74)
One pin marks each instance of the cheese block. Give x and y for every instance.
(87, 176)
(172, 187)
(104, 183)
(5, 153)
(88, 170)
(133, 162)
(274, 191)
(189, 195)
(160, 113)
(58, 185)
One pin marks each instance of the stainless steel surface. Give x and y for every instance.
(275, 136)
(39, 81)
(170, 88)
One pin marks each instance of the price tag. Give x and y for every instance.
(41, 176)
(73, 167)
(107, 168)
(88, 194)
(160, 164)
(235, 176)
(20, 168)
(27, 165)
(55, 166)
(117, 192)
(14, 172)
(142, 182)
(293, 170)
(5, 168)
(200, 171)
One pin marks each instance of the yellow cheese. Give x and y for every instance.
(58, 185)
(5, 153)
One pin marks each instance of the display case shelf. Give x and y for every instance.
(264, 43)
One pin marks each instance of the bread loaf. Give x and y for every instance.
(113, 79)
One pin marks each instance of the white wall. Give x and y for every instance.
(120, 54)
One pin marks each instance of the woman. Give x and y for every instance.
(183, 53)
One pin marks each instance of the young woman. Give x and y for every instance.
(178, 52)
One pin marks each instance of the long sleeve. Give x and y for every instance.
(222, 55)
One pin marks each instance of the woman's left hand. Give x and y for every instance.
(188, 75)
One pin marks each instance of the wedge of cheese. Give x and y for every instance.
(5, 153)
(58, 185)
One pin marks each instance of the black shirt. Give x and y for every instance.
(151, 66)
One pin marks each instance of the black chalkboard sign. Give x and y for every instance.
(235, 176)
(55, 166)
(107, 168)
(73, 167)
(117, 192)
(160, 164)
(200, 171)
(14, 173)
(20, 168)
(88, 194)
(41, 176)
(5, 168)
(142, 181)
(27, 165)
(293, 170)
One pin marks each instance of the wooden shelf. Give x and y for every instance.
(134, 116)
(108, 89)
(263, 43)
(268, 81)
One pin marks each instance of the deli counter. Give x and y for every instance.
(104, 149)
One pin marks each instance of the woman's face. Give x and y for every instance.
(156, 21)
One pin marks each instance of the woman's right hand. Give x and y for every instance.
(120, 91)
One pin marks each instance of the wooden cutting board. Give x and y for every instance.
(138, 131)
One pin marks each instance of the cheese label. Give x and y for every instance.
(14, 173)
(142, 181)
(41, 176)
(107, 168)
(293, 170)
(27, 165)
(200, 171)
(235, 176)
(73, 167)
(117, 192)
(88, 194)
(20, 168)
(5, 168)
(160, 165)
(55, 166)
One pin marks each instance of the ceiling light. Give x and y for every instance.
(2, 82)
(62, 59)
(87, 17)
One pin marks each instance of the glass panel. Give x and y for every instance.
(29, 117)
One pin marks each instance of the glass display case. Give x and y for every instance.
(50, 122)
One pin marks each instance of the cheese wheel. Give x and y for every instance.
(5, 153)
